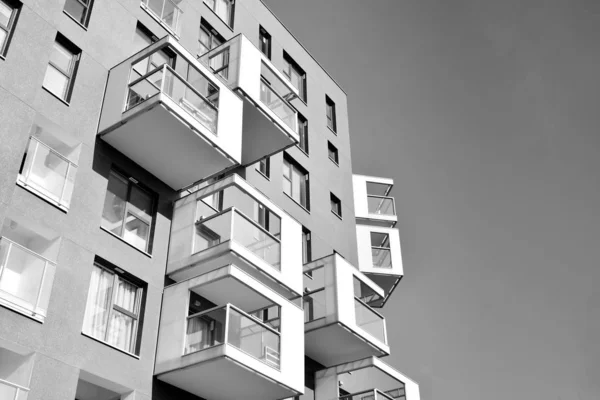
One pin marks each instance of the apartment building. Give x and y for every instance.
(179, 216)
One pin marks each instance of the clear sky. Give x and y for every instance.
(487, 115)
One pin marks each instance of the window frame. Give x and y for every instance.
(12, 23)
(231, 11)
(66, 45)
(335, 201)
(291, 65)
(264, 163)
(306, 245)
(132, 182)
(330, 114)
(303, 134)
(331, 149)
(292, 165)
(86, 14)
(265, 39)
(216, 39)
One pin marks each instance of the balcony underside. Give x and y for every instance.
(387, 282)
(165, 144)
(262, 137)
(334, 344)
(222, 378)
(385, 221)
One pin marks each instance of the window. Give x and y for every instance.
(336, 205)
(333, 153)
(166, 12)
(295, 182)
(62, 67)
(306, 246)
(128, 211)
(380, 250)
(50, 163)
(264, 42)
(209, 38)
(330, 105)
(112, 314)
(223, 8)
(79, 10)
(303, 133)
(295, 74)
(264, 167)
(8, 19)
(142, 39)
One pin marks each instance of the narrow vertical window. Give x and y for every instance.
(79, 10)
(303, 133)
(380, 250)
(113, 308)
(306, 246)
(8, 20)
(264, 42)
(295, 182)
(62, 67)
(336, 205)
(330, 112)
(295, 74)
(333, 153)
(264, 167)
(128, 211)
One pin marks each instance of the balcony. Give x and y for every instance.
(225, 326)
(164, 108)
(340, 324)
(15, 372)
(372, 202)
(367, 379)
(270, 121)
(230, 222)
(165, 12)
(380, 257)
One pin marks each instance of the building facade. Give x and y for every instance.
(179, 216)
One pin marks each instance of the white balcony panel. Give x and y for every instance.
(381, 263)
(374, 207)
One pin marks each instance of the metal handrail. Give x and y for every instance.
(392, 200)
(374, 391)
(27, 250)
(210, 103)
(53, 151)
(231, 306)
(278, 95)
(369, 307)
(236, 210)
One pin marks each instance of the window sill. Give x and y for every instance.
(263, 175)
(336, 214)
(333, 161)
(220, 19)
(303, 151)
(2, 57)
(159, 21)
(66, 103)
(332, 131)
(41, 195)
(74, 20)
(126, 242)
(111, 346)
(301, 206)
(26, 313)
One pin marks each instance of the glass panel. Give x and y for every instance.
(381, 205)
(5, 14)
(223, 9)
(7, 391)
(206, 330)
(253, 338)
(75, 9)
(62, 59)
(276, 104)
(156, 6)
(144, 89)
(3, 36)
(368, 320)
(21, 275)
(45, 170)
(99, 303)
(297, 178)
(364, 292)
(315, 279)
(315, 306)
(382, 258)
(114, 204)
(256, 240)
(122, 331)
(140, 203)
(136, 232)
(126, 296)
(69, 185)
(56, 82)
(211, 232)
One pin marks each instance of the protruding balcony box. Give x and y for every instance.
(16, 364)
(380, 257)
(372, 203)
(230, 222)
(340, 326)
(368, 379)
(270, 121)
(216, 341)
(168, 113)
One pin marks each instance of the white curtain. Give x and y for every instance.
(99, 303)
(123, 327)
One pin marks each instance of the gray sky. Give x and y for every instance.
(487, 115)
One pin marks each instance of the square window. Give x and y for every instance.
(336, 205)
(333, 153)
(128, 211)
(79, 10)
(62, 68)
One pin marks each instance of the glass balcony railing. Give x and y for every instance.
(231, 224)
(165, 80)
(230, 325)
(382, 257)
(315, 306)
(381, 205)
(278, 105)
(372, 394)
(12, 391)
(166, 11)
(369, 320)
(25, 278)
